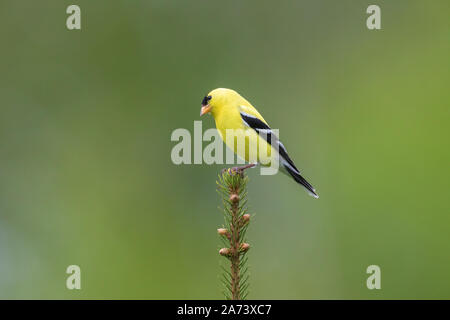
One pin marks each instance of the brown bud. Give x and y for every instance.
(245, 247)
(246, 218)
(225, 252)
(234, 198)
(223, 232)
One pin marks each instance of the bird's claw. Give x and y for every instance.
(238, 170)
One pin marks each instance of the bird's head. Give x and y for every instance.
(218, 99)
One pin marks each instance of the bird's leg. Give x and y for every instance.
(240, 170)
(251, 165)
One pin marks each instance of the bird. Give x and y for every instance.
(232, 111)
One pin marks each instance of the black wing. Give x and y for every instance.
(266, 133)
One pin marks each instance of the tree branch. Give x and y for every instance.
(232, 185)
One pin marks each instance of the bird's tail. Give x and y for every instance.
(297, 177)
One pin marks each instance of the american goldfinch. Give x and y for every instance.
(232, 112)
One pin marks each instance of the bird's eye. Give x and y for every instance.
(206, 100)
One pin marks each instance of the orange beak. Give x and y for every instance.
(205, 109)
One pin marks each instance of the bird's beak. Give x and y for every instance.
(205, 109)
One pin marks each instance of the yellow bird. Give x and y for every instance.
(233, 113)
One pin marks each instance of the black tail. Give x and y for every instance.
(297, 177)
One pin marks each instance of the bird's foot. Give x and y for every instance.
(239, 170)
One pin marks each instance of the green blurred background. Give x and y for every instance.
(86, 176)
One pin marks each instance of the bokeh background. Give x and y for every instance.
(86, 176)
